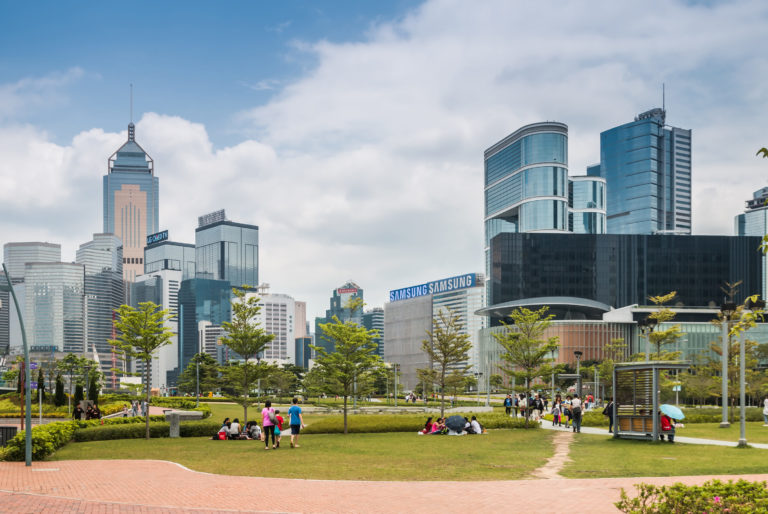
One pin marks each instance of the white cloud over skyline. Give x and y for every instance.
(369, 167)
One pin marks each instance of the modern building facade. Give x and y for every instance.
(131, 202)
(586, 205)
(226, 250)
(373, 319)
(339, 302)
(276, 317)
(55, 305)
(15, 257)
(615, 270)
(647, 167)
(754, 222)
(161, 253)
(102, 259)
(409, 316)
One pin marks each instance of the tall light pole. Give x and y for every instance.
(727, 310)
(394, 365)
(487, 384)
(553, 375)
(749, 305)
(578, 355)
(27, 389)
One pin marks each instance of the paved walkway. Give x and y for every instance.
(678, 439)
(159, 486)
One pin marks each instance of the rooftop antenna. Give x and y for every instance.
(131, 103)
(663, 98)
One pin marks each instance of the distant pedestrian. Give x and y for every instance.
(567, 412)
(297, 422)
(144, 408)
(278, 428)
(268, 421)
(576, 413)
(508, 405)
(765, 411)
(608, 411)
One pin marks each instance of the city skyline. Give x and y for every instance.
(357, 148)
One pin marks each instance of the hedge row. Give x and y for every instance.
(46, 439)
(740, 497)
(138, 431)
(595, 418)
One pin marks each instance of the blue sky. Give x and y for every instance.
(353, 133)
(204, 61)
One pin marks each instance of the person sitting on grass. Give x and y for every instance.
(477, 428)
(667, 427)
(438, 427)
(428, 426)
(253, 431)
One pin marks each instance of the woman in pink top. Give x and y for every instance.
(269, 426)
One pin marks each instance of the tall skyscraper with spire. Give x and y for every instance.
(131, 202)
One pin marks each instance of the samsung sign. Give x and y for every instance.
(438, 286)
(156, 238)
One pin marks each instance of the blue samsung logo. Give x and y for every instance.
(438, 286)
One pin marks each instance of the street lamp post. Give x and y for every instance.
(478, 374)
(578, 355)
(727, 309)
(487, 384)
(394, 365)
(27, 390)
(553, 376)
(749, 305)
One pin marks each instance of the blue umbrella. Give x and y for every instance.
(672, 411)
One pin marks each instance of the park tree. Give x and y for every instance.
(245, 336)
(78, 394)
(615, 351)
(209, 374)
(70, 364)
(313, 382)
(353, 358)
(527, 353)
(663, 314)
(59, 398)
(447, 347)
(282, 381)
(496, 381)
(140, 333)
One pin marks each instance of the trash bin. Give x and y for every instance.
(7, 433)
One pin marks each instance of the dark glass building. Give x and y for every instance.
(200, 300)
(226, 250)
(339, 300)
(616, 270)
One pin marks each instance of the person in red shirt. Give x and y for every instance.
(278, 427)
(667, 427)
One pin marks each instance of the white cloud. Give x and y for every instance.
(370, 166)
(19, 97)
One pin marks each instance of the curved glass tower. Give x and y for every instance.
(526, 182)
(587, 205)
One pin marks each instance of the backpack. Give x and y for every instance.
(272, 417)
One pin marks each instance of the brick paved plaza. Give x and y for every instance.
(158, 486)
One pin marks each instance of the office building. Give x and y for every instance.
(527, 187)
(373, 319)
(15, 257)
(303, 351)
(339, 307)
(102, 259)
(226, 250)
(583, 275)
(409, 315)
(210, 336)
(200, 300)
(131, 202)
(647, 168)
(55, 305)
(754, 222)
(163, 254)
(300, 325)
(276, 317)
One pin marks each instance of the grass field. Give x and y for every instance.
(756, 432)
(498, 455)
(599, 456)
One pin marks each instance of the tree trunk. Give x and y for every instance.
(442, 394)
(148, 363)
(245, 391)
(345, 414)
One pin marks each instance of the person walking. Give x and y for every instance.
(608, 411)
(268, 421)
(296, 421)
(508, 405)
(576, 413)
(567, 412)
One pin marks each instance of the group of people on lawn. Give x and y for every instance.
(272, 423)
(438, 427)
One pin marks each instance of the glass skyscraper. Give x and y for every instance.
(647, 167)
(55, 306)
(374, 320)
(15, 257)
(754, 222)
(170, 255)
(586, 199)
(131, 202)
(104, 292)
(339, 300)
(226, 250)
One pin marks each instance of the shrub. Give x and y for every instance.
(78, 394)
(714, 496)
(59, 399)
(138, 430)
(362, 423)
(46, 439)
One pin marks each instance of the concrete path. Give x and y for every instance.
(678, 439)
(159, 486)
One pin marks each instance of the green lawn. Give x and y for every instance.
(596, 456)
(498, 455)
(756, 432)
